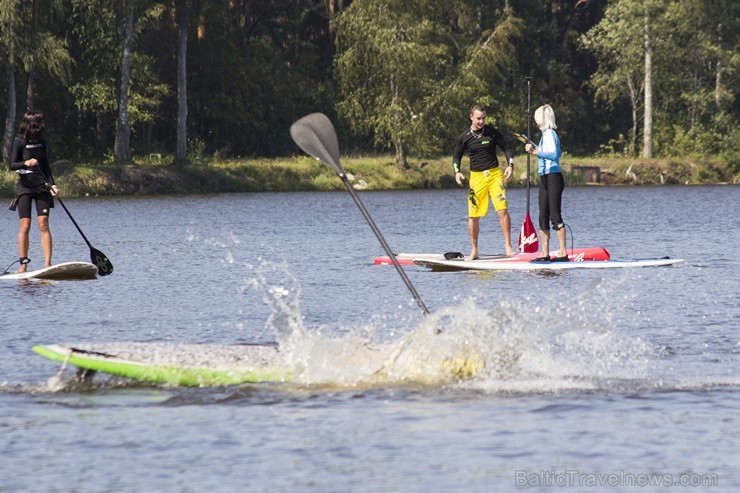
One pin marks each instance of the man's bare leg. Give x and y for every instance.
(505, 221)
(473, 229)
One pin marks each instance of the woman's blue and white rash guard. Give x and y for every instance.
(548, 153)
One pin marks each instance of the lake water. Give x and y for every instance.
(619, 380)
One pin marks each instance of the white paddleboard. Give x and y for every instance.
(63, 271)
(483, 264)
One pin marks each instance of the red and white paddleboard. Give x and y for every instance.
(575, 255)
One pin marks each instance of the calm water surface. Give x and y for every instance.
(621, 380)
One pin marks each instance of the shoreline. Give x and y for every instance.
(365, 173)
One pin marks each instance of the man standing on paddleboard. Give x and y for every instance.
(486, 177)
(35, 184)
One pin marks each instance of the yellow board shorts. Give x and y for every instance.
(482, 185)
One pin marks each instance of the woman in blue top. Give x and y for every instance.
(551, 182)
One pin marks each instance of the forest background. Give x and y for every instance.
(199, 83)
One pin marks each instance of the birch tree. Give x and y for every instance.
(617, 44)
(122, 148)
(670, 61)
(181, 147)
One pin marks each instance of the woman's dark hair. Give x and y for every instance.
(32, 126)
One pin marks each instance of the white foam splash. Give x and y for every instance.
(514, 346)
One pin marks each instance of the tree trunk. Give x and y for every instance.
(400, 153)
(122, 148)
(9, 132)
(181, 151)
(647, 138)
(633, 104)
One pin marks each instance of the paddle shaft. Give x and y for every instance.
(73, 221)
(529, 133)
(315, 134)
(385, 245)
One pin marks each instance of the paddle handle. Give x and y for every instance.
(385, 245)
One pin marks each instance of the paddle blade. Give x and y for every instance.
(101, 262)
(522, 138)
(528, 242)
(315, 134)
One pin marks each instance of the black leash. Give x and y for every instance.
(20, 261)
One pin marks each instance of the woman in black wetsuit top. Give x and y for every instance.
(35, 184)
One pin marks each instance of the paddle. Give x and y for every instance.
(315, 134)
(528, 242)
(96, 256)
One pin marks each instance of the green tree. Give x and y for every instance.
(96, 32)
(617, 42)
(390, 55)
(94, 44)
(405, 70)
(705, 46)
(673, 60)
(254, 67)
(30, 51)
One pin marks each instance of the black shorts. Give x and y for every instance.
(43, 204)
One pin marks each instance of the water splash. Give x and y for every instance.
(520, 345)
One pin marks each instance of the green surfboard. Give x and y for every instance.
(192, 365)
(208, 365)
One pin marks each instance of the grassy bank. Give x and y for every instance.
(366, 173)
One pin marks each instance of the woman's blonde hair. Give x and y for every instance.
(544, 117)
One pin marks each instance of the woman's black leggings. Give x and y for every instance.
(551, 195)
